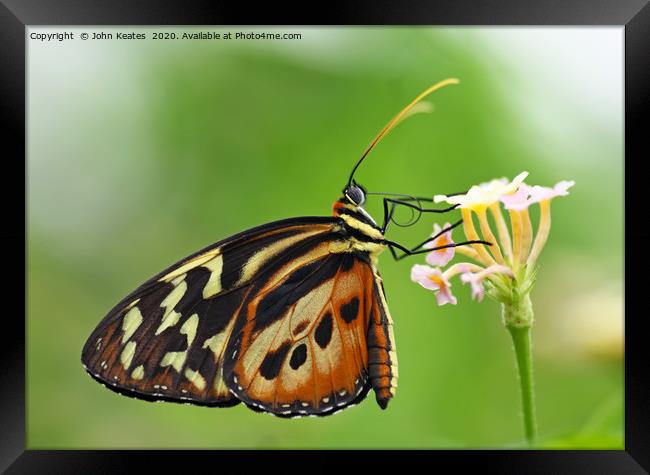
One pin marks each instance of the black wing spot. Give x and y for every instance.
(350, 310)
(323, 333)
(196, 279)
(298, 357)
(272, 363)
(348, 261)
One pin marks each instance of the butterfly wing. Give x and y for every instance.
(313, 338)
(166, 340)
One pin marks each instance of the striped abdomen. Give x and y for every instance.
(382, 356)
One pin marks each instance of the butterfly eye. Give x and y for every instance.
(355, 194)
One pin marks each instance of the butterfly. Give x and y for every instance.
(289, 317)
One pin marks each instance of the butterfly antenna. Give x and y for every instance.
(404, 113)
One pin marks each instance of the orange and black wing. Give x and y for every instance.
(167, 339)
(313, 338)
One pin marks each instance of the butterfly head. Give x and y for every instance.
(350, 206)
(354, 194)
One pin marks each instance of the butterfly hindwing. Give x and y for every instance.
(167, 339)
(300, 346)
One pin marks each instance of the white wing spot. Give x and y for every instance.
(168, 304)
(169, 320)
(131, 322)
(195, 378)
(197, 261)
(127, 354)
(213, 286)
(216, 342)
(138, 373)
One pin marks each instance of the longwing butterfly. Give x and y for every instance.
(289, 317)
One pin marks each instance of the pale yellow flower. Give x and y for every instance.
(509, 263)
(485, 194)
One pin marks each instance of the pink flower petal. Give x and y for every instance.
(440, 257)
(445, 296)
(539, 193)
(485, 194)
(476, 283)
(528, 195)
(420, 275)
(433, 279)
(517, 200)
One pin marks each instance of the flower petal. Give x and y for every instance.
(476, 283)
(433, 279)
(420, 274)
(528, 195)
(517, 200)
(485, 194)
(445, 296)
(539, 193)
(440, 257)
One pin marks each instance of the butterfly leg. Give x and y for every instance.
(391, 203)
(438, 234)
(392, 246)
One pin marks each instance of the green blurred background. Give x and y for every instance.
(141, 152)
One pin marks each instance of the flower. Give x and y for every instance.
(431, 278)
(509, 263)
(440, 257)
(485, 194)
(528, 195)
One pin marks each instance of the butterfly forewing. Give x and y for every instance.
(167, 339)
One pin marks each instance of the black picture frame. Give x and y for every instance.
(16, 15)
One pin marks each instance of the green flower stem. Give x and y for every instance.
(522, 342)
(518, 317)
